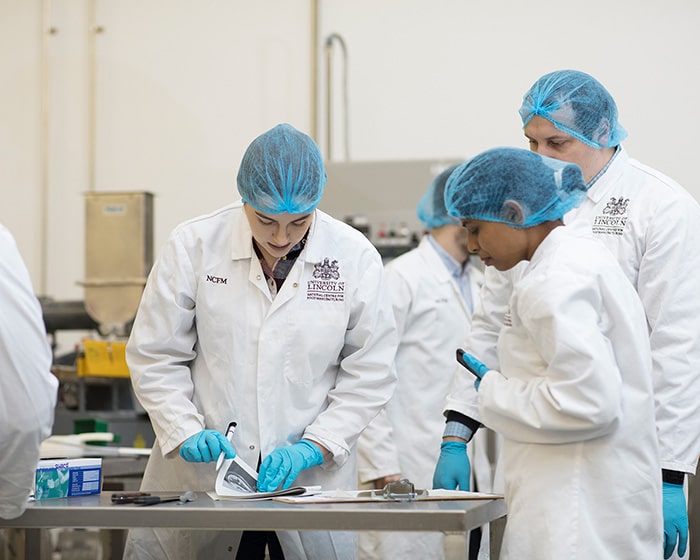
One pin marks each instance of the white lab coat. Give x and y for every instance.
(487, 321)
(574, 404)
(210, 345)
(656, 239)
(655, 235)
(652, 225)
(28, 389)
(432, 320)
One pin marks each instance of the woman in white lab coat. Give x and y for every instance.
(573, 398)
(274, 315)
(652, 226)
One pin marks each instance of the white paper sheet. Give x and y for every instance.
(236, 480)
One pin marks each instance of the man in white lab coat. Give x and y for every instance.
(272, 314)
(433, 289)
(27, 386)
(652, 226)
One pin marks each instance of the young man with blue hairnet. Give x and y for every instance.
(272, 314)
(433, 289)
(652, 226)
(572, 396)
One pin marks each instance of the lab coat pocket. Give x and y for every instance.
(316, 335)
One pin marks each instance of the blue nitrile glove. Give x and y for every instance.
(675, 519)
(478, 367)
(452, 469)
(284, 464)
(206, 446)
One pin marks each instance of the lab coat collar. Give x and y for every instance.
(611, 176)
(447, 262)
(437, 265)
(435, 261)
(551, 240)
(242, 236)
(316, 247)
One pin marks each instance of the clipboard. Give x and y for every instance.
(360, 496)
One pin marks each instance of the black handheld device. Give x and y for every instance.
(464, 364)
(128, 497)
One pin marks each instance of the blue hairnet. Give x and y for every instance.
(576, 104)
(545, 188)
(282, 172)
(431, 207)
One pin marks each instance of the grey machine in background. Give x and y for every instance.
(380, 198)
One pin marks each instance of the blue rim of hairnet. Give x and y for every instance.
(284, 209)
(542, 112)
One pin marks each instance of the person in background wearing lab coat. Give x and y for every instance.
(573, 396)
(652, 226)
(433, 288)
(272, 314)
(28, 389)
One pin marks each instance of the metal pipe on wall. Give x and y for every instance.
(330, 42)
(93, 31)
(46, 32)
(315, 132)
(329, 112)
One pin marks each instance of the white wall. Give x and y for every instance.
(20, 118)
(429, 79)
(182, 87)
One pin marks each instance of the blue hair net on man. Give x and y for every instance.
(431, 207)
(485, 187)
(282, 172)
(576, 104)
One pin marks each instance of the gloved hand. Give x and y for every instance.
(452, 469)
(478, 367)
(284, 464)
(675, 519)
(206, 446)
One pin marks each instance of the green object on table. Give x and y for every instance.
(90, 425)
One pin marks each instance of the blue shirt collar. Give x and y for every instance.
(458, 272)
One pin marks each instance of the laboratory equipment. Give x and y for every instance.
(118, 256)
(94, 378)
(380, 197)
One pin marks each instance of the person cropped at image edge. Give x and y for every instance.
(28, 389)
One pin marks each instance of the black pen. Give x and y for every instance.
(229, 436)
(127, 497)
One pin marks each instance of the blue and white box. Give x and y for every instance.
(63, 478)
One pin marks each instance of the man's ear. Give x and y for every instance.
(512, 212)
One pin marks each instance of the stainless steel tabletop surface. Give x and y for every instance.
(206, 513)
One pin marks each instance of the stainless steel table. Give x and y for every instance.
(204, 513)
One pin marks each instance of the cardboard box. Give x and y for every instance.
(62, 478)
